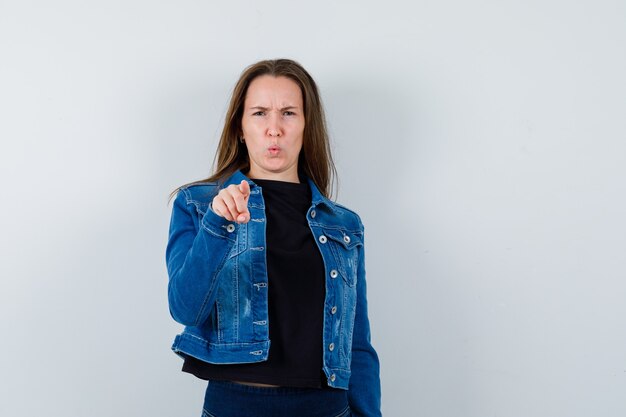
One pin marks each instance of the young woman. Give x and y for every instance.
(265, 271)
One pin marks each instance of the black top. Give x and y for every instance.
(296, 291)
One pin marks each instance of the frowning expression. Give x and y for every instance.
(273, 127)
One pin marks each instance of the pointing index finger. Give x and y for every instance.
(244, 187)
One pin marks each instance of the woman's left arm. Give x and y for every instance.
(364, 387)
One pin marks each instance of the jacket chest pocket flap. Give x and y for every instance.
(344, 245)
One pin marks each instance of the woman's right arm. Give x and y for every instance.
(195, 254)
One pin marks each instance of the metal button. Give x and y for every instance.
(334, 273)
(333, 310)
(230, 228)
(346, 239)
(331, 347)
(313, 214)
(323, 239)
(332, 378)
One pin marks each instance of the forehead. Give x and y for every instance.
(269, 89)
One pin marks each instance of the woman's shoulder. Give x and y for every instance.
(199, 192)
(347, 217)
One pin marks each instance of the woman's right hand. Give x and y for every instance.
(231, 202)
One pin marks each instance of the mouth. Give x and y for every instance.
(273, 150)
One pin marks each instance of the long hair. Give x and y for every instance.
(315, 159)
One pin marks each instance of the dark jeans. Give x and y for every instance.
(230, 399)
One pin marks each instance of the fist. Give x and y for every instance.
(231, 202)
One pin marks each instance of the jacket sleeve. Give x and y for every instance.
(364, 394)
(197, 248)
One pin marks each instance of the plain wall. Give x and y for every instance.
(483, 144)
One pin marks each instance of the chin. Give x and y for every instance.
(275, 167)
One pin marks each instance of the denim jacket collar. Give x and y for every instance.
(317, 197)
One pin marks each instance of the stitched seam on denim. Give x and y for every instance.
(241, 242)
(344, 369)
(211, 289)
(187, 195)
(347, 209)
(343, 354)
(351, 331)
(336, 251)
(354, 242)
(248, 270)
(236, 298)
(194, 336)
(197, 203)
(335, 227)
(314, 232)
(202, 225)
(214, 324)
(232, 345)
(265, 313)
(219, 320)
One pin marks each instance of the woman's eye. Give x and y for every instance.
(258, 113)
(288, 113)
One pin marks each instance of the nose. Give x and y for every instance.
(274, 128)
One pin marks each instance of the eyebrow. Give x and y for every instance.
(266, 108)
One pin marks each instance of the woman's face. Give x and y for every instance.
(273, 127)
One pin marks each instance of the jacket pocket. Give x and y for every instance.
(344, 246)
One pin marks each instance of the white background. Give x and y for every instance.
(483, 144)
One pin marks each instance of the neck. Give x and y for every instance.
(287, 176)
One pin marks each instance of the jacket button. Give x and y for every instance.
(332, 378)
(313, 214)
(334, 273)
(331, 347)
(333, 310)
(346, 239)
(323, 239)
(230, 228)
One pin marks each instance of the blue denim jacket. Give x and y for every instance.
(218, 288)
